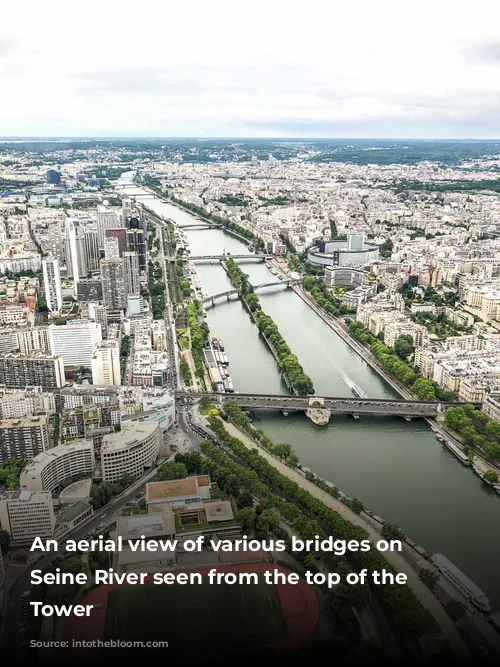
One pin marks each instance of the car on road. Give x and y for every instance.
(103, 516)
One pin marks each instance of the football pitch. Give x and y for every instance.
(203, 616)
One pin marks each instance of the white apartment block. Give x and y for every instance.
(75, 341)
(405, 328)
(25, 340)
(52, 284)
(33, 340)
(48, 471)
(16, 316)
(15, 403)
(105, 364)
(132, 450)
(485, 299)
(491, 405)
(25, 515)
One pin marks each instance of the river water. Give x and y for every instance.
(396, 468)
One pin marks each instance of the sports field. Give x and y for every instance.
(207, 617)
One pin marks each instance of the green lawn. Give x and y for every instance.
(190, 617)
(205, 411)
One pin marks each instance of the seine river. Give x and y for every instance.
(396, 468)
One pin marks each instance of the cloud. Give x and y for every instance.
(488, 52)
(8, 46)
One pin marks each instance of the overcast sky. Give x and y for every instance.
(250, 69)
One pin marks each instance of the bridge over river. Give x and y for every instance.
(207, 258)
(210, 300)
(333, 404)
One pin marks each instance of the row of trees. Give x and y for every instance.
(223, 222)
(289, 364)
(325, 299)
(395, 363)
(310, 517)
(476, 430)
(185, 372)
(156, 288)
(199, 335)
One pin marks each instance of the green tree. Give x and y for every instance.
(247, 517)
(492, 450)
(204, 402)
(171, 470)
(268, 520)
(428, 577)
(245, 499)
(403, 346)
(310, 561)
(392, 532)
(455, 609)
(356, 505)
(491, 476)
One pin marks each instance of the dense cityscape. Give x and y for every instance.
(270, 338)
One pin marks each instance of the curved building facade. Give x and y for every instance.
(130, 451)
(354, 252)
(52, 468)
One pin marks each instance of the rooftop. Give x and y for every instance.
(175, 488)
(72, 512)
(149, 525)
(131, 436)
(24, 422)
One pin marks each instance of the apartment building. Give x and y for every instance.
(132, 450)
(105, 364)
(52, 284)
(491, 405)
(19, 316)
(75, 341)
(37, 369)
(26, 515)
(21, 403)
(50, 469)
(405, 327)
(23, 438)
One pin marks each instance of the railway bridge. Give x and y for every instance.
(333, 404)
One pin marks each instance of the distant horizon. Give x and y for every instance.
(82, 137)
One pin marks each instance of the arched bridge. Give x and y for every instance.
(208, 258)
(210, 300)
(199, 226)
(335, 404)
